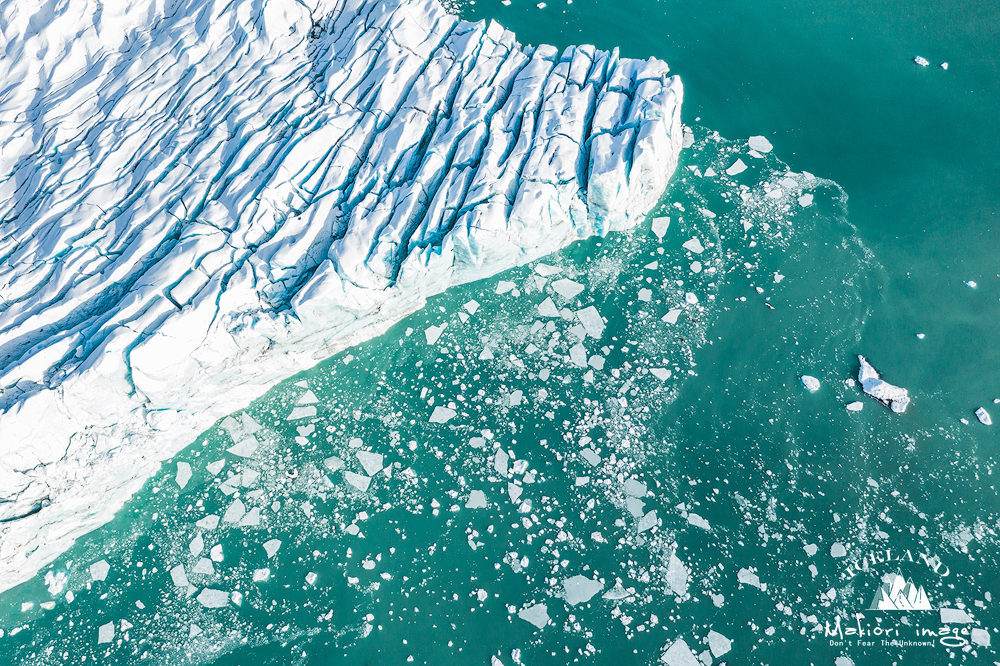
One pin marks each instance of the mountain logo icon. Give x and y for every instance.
(897, 593)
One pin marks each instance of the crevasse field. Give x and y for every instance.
(608, 455)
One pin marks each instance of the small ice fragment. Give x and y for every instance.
(591, 456)
(660, 226)
(677, 576)
(216, 467)
(194, 631)
(514, 491)
(617, 593)
(748, 577)
(311, 578)
(679, 654)
(922, 61)
(698, 521)
(843, 661)
(537, 615)
(811, 549)
(806, 200)
(372, 462)
(99, 570)
(663, 374)
(944, 65)
(696, 267)
(197, 545)
(204, 567)
(580, 589)
(567, 288)
(216, 553)
(709, 172)
(646, 295)
(333, 463)
(737, 168)
(983, 416)
(183, 474)
(359, 481)
(582, 480)
(434, 332)
(503, 286)
(718, 644)
(106, 633)
(694, 245)
(301, 413)
(210, 598)
(635, 506)
(500, 462)
(178, 576)
(652, 266)
(307, 398)
(838, 550)
(955, 616)
(235, 511)
(647, 522)
(547, 308)
(546, 270)
(578, 355)
(979, 636)
(671, 317)
(477, 500)
(855, 406)
(635, 488)
(592, 321)
(471, 307)
(971, 284)
(442, 415)
(261, 575)
(690, 298)
(271, 547)
(810, 383)
(486, 354)
(760, 144)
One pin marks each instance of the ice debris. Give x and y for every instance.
(894, 397)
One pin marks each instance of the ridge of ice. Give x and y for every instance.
(152, 248)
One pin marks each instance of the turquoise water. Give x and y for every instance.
(755, 482)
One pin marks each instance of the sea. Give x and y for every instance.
(609, 456)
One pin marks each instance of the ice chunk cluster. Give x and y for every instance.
(208, 196)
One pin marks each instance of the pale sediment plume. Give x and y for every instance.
(200, 199)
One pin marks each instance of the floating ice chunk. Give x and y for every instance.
(838, 550)
(432, 333)
(663, 374)
(696, 267)
(183, 474)
(635, 488)
(694, 245)
(591, 456)
(210, 598)
(843, 661)
(955, 616)
(477, 442)
(500, 462)
(442, 414)
(578, 355)
(646, 295)
(516, 397)
(855, 406)
(810, 383)
(671, 317)
(582, 480)
(514, 491)
(372, 462)
(737, 168)
(691, 299)
(546, 270)
(971, 284)
(235, 512)
(204, 566)
(471, 307)
(547, 308)
(580, 589)
(748, 577)
(271, 547)
(718, 644)
(99, 570)
(486, 354)
(197, 545)
(477, 500)
(307, 398)
(359, 481)
(194, 631)
(679, 654)
(677, 576)
(984, 416)
(537, 615)
(660, 226)
(811, 549)
(252, 519)
(311, 578)
(647, 522)
(592, 321)
(760, 144)
(652, 266)
(922, 61)
(596, 362)
(503, 286)
(215, 467)
(698, 521)
(778, 277)
(567, 288)
(618, 593)
(634, 506)
(333, 463)
(944, 66)
(302, 412)
(806, 200)
(178, 576)
(106, 633)
(894, 397)
(979, 636)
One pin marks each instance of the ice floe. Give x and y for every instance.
(894, 397)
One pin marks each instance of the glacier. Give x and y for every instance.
(200, 198)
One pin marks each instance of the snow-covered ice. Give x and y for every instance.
(163, 233)
(984, 416)
(894, 397)
(810, 383)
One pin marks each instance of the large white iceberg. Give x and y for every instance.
(893, 397)
(200, 198)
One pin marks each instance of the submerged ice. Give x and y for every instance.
(208, 197)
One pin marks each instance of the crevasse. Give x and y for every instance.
(200, 198)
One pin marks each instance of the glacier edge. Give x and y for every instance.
(200, 199)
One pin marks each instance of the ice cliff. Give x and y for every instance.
(199, 198)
